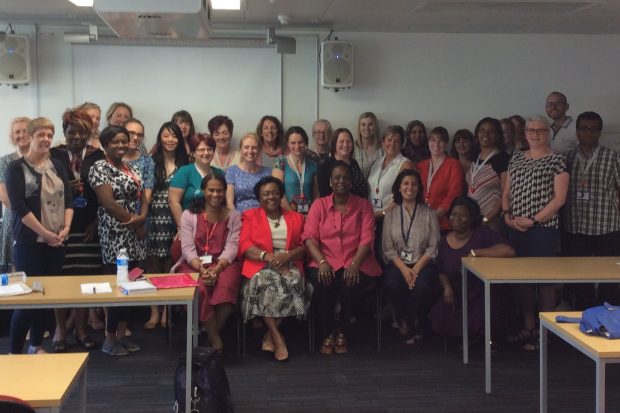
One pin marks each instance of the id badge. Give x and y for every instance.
(377, 202)
(80, 202)
(407, 257)
(583, 196)
(302, 205)
(206, 259)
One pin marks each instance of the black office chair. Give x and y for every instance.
(9, 404)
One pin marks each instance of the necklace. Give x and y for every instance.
(275, 223)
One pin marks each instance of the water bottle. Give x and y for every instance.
(122, 266)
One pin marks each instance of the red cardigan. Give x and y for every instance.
(447, 185)
(255, 232)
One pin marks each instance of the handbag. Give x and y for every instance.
(602, 320)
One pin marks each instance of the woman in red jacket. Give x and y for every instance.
(441, 175)
(274, 286)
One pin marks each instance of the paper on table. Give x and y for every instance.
(14, 289)
(96, 288)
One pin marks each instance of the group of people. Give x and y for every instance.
(279, 223)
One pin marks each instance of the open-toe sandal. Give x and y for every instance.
(340, 346)
(59, 346)
(328, 345)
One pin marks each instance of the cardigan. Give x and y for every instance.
(187, 234)
(255, 232)
(446, 186)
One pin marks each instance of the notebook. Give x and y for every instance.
(136, 287)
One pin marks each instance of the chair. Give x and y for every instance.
(9, 404)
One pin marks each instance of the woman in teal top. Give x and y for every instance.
(186, 182)
(297, 171)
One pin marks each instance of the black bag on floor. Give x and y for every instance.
(210, 392)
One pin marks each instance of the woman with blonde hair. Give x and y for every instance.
(368, 146)
(94, 111)
(20, 138)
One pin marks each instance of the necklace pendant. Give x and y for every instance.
(276, 224)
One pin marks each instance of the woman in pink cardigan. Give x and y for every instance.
(209, 238)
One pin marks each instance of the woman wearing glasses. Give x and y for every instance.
(536, 188)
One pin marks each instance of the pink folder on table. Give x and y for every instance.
(173, 281)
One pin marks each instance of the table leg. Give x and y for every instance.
(543, 368)
(465, 325)
(195, 319)
(188, 356)
(82, 408)
(600, 386)
(487, 337)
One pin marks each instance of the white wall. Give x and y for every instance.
(451, 80)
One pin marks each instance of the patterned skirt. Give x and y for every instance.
(270, 294)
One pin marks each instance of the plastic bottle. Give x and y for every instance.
(122, 266)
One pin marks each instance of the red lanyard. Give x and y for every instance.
(209, 233)
(125, 169)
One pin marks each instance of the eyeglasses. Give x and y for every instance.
(536, 131)
(320, 132)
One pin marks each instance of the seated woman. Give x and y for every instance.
(339, 234)
(468, 237)
(274, 286)
(209, 239)
(410, 240)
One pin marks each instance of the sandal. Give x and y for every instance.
(328, 345)
(521, 336)
(340, 346)
(87, 342)
(59, 346)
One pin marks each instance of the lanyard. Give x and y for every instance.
(477, 167)
(76, 174)
(209, 233)
(125, 170)
(431, 175)
(382, 173)
(402, 220)
(585, 165)
(300, 175)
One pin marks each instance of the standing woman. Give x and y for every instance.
(508, 130)
(169, 156)
(274, 287)
(520, 139)
(410, 240)
(185, 122)
(118, 113)
(18, 137)
(242, 178)
(94, 111)
(441, 175)
(487, 175)
(297, 172)
(535, 190)
(221, 128)
(463, 148)
(271, 134)
(186, 182)
(415, 147)
(83, 255)
(40, 196)
(368, 145)
(120, 191)
(342, 150)
(209, 239)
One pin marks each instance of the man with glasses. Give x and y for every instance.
(591, 218)
(321, 133)
(563, 128)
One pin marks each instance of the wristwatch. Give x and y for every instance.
(534, 222)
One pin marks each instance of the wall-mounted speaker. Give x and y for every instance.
(336, 64)
(14, 60)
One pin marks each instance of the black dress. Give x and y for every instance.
(359, 185)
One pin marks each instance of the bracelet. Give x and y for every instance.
(383, 212)
(322, 261)
(473, 254)
(262, 255)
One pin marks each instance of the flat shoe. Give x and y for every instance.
(87, 342)
(340, 346)
(59, 346)
(328, 345)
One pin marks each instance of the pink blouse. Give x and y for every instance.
(339, 235)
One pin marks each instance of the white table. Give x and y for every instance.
(65, 292)
(601, 350)
(539, 270)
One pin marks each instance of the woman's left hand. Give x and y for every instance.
(64, 234)
(352, 274)
(280, 261)
(524, 222)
